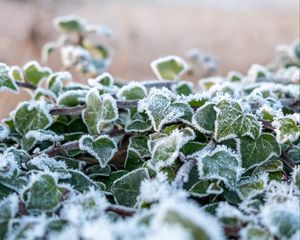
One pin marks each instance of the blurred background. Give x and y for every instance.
(239, 33)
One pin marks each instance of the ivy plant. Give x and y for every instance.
(163, 159)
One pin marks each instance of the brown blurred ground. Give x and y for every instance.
(238, 32)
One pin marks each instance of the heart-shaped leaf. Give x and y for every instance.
(34, 73)
(100, 110)
(127, 188)
(161, 109)
(102, 148)
(43, 194)
(204, 118)
(221, 163)
(6, 80)
(231, 122)
(32, 116)
(255, 152)
(4, 131)
(169, 68)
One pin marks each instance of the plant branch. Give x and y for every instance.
(122, 211)
(59, 149)
(26, 85)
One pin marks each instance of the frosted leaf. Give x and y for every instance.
(132, 91)
(250, 188)
(170, 231)
(139, 143)
(69, 24)
(158, 106)
(32, 116)
(101, 30)
(4, 131)
(282, 219)
(287, 128)
(169, 68)
(6, 80)
(291, 74)
(279, 192)
(80, 58)
(234, 76)
(138, 126)
(268, 113)
(55, 81)
(8, 164)
(183, 88)
(228, 214)
(166, 150)
(205, 187)
(44, 94)
(16, 73)
(231, 122)
(44, 135)
(45, 163)
(158, 188)
(256, 152)
(72, 98)
(255, 232)
(43, 193)
(221, 163)
(9, 209)
(99, 111)
(35, 73)
(127, 188)
(81, 182)
(183, 213)
(257, 71)
(104, 79)
(206, 83)
(204, 118)
(296, 176)
(102, 148)
(269, 166)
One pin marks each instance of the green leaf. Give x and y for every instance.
(69, 24)
(296, 176)
(255, 152)
(204, 118)
(9, 209)
(282, 219)
(133, 160)
(99, 110)
(161, 110)
(139, 143)
(34, 73)
(6, 80)
(255, 232)
(248, 189)
(43, 194)
(80, 181)
(32, 116)
(166, 150)
(104, 79)
(4, 131)
(231, 122)
(184, 88)
(72, 98)
(127, 188)
(138, 126)
(132, 91)
(287, 129)
(102, 148)
(221, 163)
(269, 167)
(169, 68)
(55, 82)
